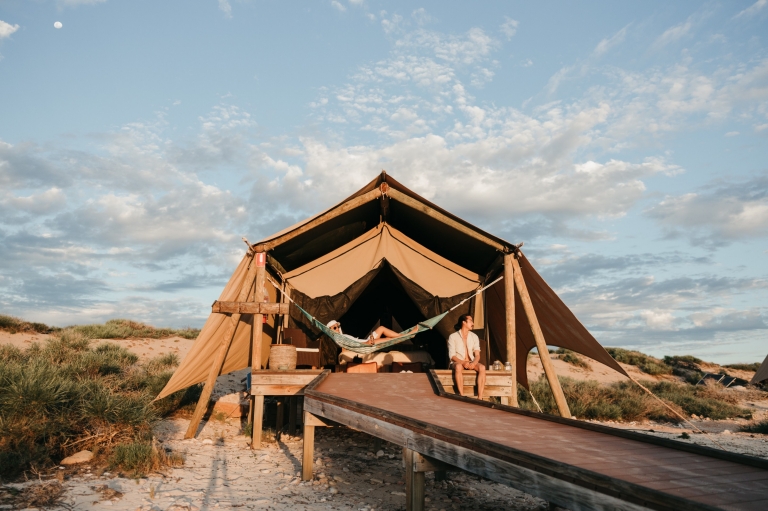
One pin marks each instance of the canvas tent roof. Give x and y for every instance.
(762, 372)
(420, 258)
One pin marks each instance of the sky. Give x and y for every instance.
(623, 143)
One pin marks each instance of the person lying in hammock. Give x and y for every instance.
(381, 333)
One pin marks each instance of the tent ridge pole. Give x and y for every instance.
(218, 362)
(541, 344)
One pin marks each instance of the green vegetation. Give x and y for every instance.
(15, 325)
(625, 401)
(572, 358)
(142, 457)
(645, 363)
(65, 395)
(687, 367)
(126, 329)
(744, 367)
(759, 427)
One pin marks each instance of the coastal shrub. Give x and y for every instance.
(16, 325)
(758, 427)
(625, 401)
(126, 329)
(645, 363)
(65, 395)
(572, 358)
(744, 367)
(141, 457)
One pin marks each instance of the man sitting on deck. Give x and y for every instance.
(381, 333)
(464, 353)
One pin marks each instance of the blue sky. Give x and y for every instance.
(625, 144)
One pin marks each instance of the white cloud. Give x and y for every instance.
(6, 29)
(226, 8)
(732, 134)
(752, 9)
(509, 27)
(717, 215)
(392, 24)
(526, 63)
(673, 34)
(421, 17)
(610, 42)
(338, 5)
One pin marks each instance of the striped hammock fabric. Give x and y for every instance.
(363, 348)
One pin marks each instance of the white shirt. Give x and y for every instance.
(456, 346)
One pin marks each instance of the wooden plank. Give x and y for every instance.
(320, 219)
(221, 354)
(414, 482)
(307, 456)
(556, 490)
(249, 308)
(260, 260)
(314, 420)
(277, 377)
(433, 213)
(541, 344)
(258, 419)
(410, 393)
(277, 390)
(509, 297)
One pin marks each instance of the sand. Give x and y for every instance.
(221, 472)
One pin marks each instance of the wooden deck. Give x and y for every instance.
(573, 464)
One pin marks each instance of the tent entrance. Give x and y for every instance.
(386, 302)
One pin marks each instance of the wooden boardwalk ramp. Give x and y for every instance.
(573, 464)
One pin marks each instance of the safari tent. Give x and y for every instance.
(761, 374)
(383, 254)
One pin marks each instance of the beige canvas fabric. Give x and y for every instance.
(196, 365)
(337, 270)
(762, 372)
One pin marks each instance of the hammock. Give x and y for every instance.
(362, 348)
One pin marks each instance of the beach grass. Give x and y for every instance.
(66, 395)
(625, 401)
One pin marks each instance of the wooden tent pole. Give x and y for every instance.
(541, 345)
(257, 402)
(509, 295)
(218, 362)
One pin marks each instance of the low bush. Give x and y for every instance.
(15, 325)
(645, 363)
(744, 367)
(758, 427)
(141, 457)
(625, 401)
(572, 358)
(126, 329)
(64, 396)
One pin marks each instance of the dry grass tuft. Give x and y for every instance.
(43, 494)
(14, 325)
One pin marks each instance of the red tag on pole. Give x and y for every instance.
(260, 259)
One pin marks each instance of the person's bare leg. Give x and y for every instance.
(382, 333)
(458, 378)
(480, 380)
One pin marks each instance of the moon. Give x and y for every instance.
(57, 24)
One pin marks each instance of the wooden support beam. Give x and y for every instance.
(249, 308)
(307, 457)
(541, 344)
(414, 482)
(320, 219)
(433, 213)
(509, 297)
(260, 261)
(257, 402)
(221, 354)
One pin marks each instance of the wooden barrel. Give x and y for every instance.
(282, 356)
